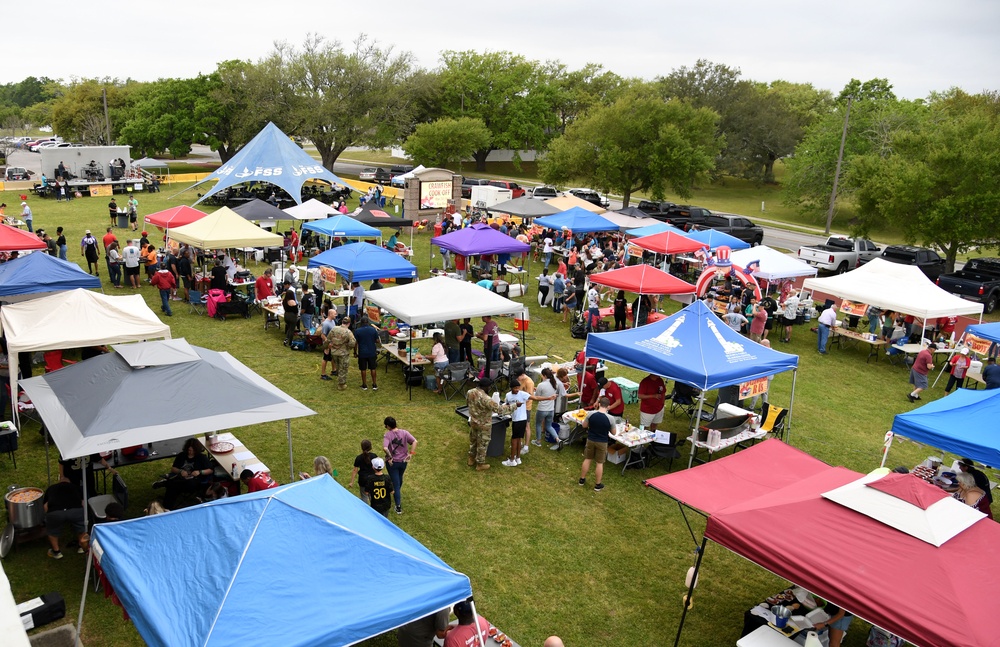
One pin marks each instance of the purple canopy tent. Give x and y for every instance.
(480, 239)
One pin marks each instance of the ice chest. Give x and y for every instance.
(41, 611)
(727, 427)
(630, 389)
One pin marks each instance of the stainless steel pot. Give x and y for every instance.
(26, 514)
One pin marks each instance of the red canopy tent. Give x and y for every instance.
(668, 242)
(175, 217)
(14, 239)
(643, 279)
(765, 504)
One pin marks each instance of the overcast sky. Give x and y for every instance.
(919, 45)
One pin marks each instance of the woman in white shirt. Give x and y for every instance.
(545, 410)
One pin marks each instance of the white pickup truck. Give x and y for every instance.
(840, 254)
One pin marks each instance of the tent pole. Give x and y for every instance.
(48, 468)
(694, 426)
(475, 624)
(694, 579)
(944, 365)
(83, 598)
(291, 460)
(791, 404)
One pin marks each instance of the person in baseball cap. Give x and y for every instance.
(379, 488)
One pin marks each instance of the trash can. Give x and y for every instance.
(122, 220)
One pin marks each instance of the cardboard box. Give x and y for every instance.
(617, 453)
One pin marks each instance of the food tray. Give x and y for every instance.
(222, 447)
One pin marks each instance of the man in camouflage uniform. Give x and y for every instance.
(481, 410)
(339, 344)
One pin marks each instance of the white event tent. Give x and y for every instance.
(311, 209)
(441, 299)
(774, 265)
(903, 288)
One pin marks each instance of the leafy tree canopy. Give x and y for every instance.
(446, 141)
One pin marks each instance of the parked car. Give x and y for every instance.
(839, 254)
(591, 196)
(469, 182)
(13, 173)
(655, 209)
(544, 192)
(684, 216)
(374, 174)
(400, 169)
(515, 189)
(738, 226)
(36, 145)
(929, 262)
(978, 281)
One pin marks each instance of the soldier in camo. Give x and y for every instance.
(481, 410)
(339, 343)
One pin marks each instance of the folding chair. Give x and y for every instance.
(194, 300)
(773, 420)
(456, 378)
(663, 448)
(119, 492)
(684, 399)
(54, 360)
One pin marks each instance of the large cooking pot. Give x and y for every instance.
(24, 507)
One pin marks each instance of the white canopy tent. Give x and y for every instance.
(311, 209)
(774, 265)
(11, 626)
(628, 222)
(902, 288)
(75, 319)
(441, 299)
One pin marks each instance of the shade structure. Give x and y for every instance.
(259, 591)
(343, 227)
(174, 217)
(626, 221)
(957, 423)
(772, 264)
(365, 262)
(11, 624)
(480, 239)
(579, 221)
(642, 279)
(13, 239)
(225, 228)
(692, 346)
(149, 162)
(400, 180)
(902, 288)
(258, 209)
(668, 242)
(81, 404)
(524, 207)
(76, 319)
(311, 209)
(440, 299)
(34, 275)
(783, 526)
(567, 202)
(634, 212)
(376, 216)
(654, 228)
(271, 157)
(715, 239)
(990, 331)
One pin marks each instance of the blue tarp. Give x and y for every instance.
(577, 219)
(40, 273)
(304, 564)
(343, 226)
(273, 158)
(658, 228)
(715, 239)
(480, 239)
(963, 423)
(990, 331)
(692, 346)
(365, 262)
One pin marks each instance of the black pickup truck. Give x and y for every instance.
(929, 262)
(979, 281)
(734, 225)
(681, 216)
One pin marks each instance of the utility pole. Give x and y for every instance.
(840, 158)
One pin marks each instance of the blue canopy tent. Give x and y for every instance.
(986, 331)
(650, 230)
(342, 227)
(274, 158)
(715, 239)
(693, 346)
(957, 423)
(578, 220)
(365, 262)
(286, 567)
(36, 274)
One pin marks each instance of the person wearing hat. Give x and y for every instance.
(378, 487)
(991, 374)
(472, 629)
(88, 249)
(26, 215)
(613, 392)
(113, 211)
(922, 366)
(967, 466)
(338, 344)
(960, 364)
(481, 410)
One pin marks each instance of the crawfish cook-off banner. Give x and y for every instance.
(435, 195)
(753, 388)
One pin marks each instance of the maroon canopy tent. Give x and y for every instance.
(668, 242)
(642, 279)
(13, 239)
(765, 504)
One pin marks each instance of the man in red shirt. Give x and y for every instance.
(464, 634)
(652, 396)
(922, 366)
(264, 285)
(588, 387)
(613, 393)
(108, 239)
(258, 481)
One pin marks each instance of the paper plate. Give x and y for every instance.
(221, 448)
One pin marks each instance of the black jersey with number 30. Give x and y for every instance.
(379, 489)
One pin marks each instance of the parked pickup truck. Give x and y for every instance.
(926, 260)
(738, 226)
(979, 281)
(839, 254)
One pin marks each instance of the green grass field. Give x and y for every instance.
(544, 555)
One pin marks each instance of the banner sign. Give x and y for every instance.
(978, 344)
(753, 388)
(853, 308)
(434, 195)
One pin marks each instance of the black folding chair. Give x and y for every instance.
(457, 376)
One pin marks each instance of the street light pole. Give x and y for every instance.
(840, 158)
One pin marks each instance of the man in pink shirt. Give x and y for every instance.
(922, 365)
(464, 634)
